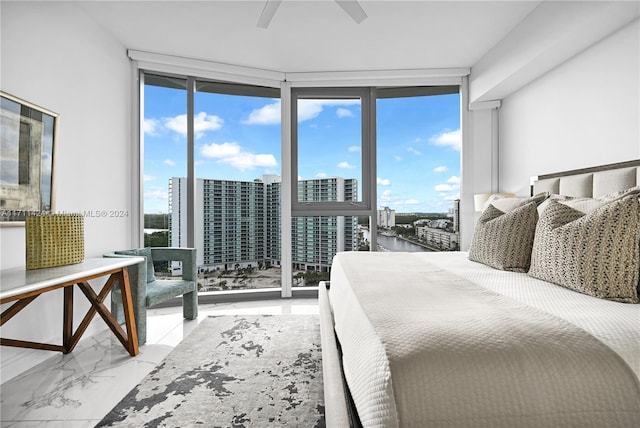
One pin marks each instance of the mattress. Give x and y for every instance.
(380, 394)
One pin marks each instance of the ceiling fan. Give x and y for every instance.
(352, 7)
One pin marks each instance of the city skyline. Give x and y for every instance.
(238, 138)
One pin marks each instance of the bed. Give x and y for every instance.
(548, 335)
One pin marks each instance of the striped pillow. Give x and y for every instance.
(503, 240)
(595, 253)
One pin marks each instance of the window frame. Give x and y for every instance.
(143, 62)
(328, 208)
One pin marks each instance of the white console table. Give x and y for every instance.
(22, 286)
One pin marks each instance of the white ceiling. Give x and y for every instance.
(314, 35)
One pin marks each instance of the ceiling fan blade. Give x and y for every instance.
(269, 10)
(353, 8)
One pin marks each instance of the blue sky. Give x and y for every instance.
(238, 138)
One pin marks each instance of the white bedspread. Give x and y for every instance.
(468, 351)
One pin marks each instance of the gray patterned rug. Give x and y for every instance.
(233, 371)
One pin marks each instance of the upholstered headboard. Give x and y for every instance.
(590, 182)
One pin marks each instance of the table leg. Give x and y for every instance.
(129, 339)
(67, 320)
(129, 317)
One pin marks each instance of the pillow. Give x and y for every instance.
(553, 197)
(507, 205)
(596, 253)
(587, 205)
(504, 240)
(146, 253)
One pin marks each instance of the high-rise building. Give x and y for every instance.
(272, 207)
(229, 221)
(316, 239)
(386, 217)
(237, 223)
(456, 215)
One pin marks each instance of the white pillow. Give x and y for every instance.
(506, 205)
(587, 205)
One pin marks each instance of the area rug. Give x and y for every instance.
(233, 371)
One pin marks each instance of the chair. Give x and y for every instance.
(147, 291)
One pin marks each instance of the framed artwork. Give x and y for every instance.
(27, 142)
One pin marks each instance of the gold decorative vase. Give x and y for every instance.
(54, 240)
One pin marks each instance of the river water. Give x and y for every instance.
(391, 243)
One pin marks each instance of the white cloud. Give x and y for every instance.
(202, 122)
(169, 162)
(307, 109)
(440, 169)
(150, 126)
(412, 202)
(445, 187)
(452, 185)
(321, 175)
(414, 151)
(155, 193)
(383, 181)
(267, 115)
(310, 109)
(206, 122)
(218, 151)
(345, 165)
(452, 139)
(147, 177)
(353, 149)
(232, 154)
(397, 158)
(343, 112)
(386, 196)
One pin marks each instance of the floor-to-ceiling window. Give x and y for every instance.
(331, 140)
(365, 160)
(404, 198)
(418, 168)
(164, 149)
(237, 162)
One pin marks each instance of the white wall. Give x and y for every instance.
(478, 168)
(56, 57)
(586, 112)
(551, 34)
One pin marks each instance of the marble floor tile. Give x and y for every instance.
(78, 389)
